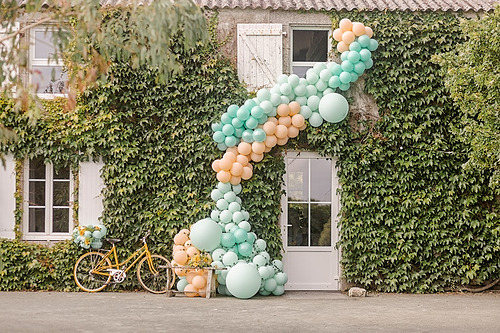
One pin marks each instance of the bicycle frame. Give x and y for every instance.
(106, 270)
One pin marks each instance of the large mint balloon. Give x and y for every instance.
(333, 108)
(243, 280)
(206, 234)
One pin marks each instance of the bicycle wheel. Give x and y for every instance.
(159, 282)
(84, 278)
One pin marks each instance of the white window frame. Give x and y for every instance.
(8, 44)
(334, 204)
(43, 62)
(47, 235)
(314, 28)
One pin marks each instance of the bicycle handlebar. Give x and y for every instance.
(143, 239)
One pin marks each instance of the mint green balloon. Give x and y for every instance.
(182, 284)
(206, 234)
(243, 281)
(333, 108)
(315, 119)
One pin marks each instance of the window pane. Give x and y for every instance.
(37, 168)
(61, 193)
(37, 193)
(300, 71)
(298, 229)
(310, 45)
(37, 220)
(321, 180)
(44, 46)
(321, 225)
(49, 79)
(60, 221)
(62, 173)
(298, 179)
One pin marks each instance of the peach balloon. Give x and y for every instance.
(293, 132)
(247, 173)
(281, 132)
(268, 149)
(283, 141)
(342, 47)
(224, 176)
(345, 24)
(358, 28)
(242, 159)
(286, 121)
(233, 150)
(235, 180)
(303, 127)
(180, 257)
(244, 148)
(191, 251)
(283, 110)
(190, 275)
(269, 127)
(250, 166)
(181, 238)
(298, 120)
(273, 119)
(369, 32)
(216, 166)
(190, 291)
(337, 35)
(178, 247)
(231, 156)
(348, 37)
(225, 164)
(236, 169)
(270, 141)
(199, 282)
(258, 147)
(294, 108)
(188, 243)
(257, 157)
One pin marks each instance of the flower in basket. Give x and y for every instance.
(89, 235)
(201, 260)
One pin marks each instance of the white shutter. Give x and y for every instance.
(89, 192)
(7, 199)
(260, 59)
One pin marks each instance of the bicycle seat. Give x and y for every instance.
(112, 240)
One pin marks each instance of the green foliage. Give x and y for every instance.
(473, 77)
(25, 266)
(412, 219)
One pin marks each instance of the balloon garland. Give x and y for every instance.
(245, 133)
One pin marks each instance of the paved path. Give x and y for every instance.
(292, 312)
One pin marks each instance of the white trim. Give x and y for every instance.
(315, 28)
(47, 235)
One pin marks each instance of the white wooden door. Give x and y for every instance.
(89, 194)
(310, 221)
(260, 59)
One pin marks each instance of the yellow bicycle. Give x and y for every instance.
(94, 270)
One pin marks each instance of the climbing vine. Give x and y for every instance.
(413, 220)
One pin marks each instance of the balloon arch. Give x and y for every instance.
(245, 133)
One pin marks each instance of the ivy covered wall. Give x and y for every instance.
(412, 219)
